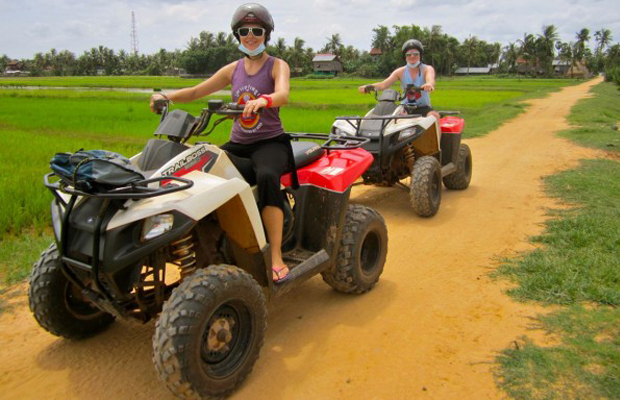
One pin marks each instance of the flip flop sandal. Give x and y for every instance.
(278, 271)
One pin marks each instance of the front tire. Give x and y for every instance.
(425, 193)
(210, 332)
(459, 179)
(362, 253)
(58, 305)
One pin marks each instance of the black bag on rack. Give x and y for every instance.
(94, 171)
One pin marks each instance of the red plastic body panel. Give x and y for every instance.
(451, 124)
(335, 171)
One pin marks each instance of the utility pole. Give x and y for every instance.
(134, 35)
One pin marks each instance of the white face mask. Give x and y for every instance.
(413, 65)
(252, 53)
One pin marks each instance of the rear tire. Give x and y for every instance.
(362, 253)
(425, 193)
(459, 179)
(210, 332)
(58, 305)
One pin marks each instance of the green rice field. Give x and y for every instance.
(37, 123)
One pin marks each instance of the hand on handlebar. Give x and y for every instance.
(366, 89)
(158, 102)
(253, 106)
(427, 87)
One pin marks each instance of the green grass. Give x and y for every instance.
(577, 265)
(584, 365)
(597, 119)
(580, 259)
(35, 124)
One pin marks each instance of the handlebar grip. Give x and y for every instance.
(159, 105)
(369, 88)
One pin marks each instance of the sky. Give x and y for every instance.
(31, 26)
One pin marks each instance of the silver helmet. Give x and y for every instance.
(252, 13)
(413, 44)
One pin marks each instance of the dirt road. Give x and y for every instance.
(430, 329)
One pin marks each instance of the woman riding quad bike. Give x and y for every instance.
(176, 231)
(406, 144)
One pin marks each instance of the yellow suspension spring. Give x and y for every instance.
(184, 256)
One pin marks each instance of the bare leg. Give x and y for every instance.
(273, 218)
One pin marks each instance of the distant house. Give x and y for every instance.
(14, 68)
(578, 70)
(560, 67)
(473, 71)
(375, 54)
(327, 64)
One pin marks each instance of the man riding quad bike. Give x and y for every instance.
(176, 231)
(408, 145)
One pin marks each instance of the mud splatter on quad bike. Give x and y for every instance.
(407, 145)
(186, 241)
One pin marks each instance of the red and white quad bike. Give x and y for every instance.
(188, 243)
(407, 145)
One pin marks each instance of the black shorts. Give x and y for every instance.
(263, 163)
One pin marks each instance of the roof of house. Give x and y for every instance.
(324, 57)
(473, 70)
(375, 52)
(556, 63)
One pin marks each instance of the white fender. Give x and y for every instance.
(208, 194)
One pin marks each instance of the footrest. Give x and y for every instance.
(312, 265)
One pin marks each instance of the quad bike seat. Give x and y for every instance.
(306, 152)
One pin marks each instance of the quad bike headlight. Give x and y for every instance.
(405, 133)
(156, 226)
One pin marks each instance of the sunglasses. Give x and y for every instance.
(413, 53)
(257, 32)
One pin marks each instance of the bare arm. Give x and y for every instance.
(429, 77)
(218, 81)
(394, 76)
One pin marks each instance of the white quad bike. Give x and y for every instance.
(188, 244)
(407, 145)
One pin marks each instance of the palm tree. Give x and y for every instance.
(510, 55)
(470, 44)
(547, 47)
(433, 35)
(220, 39)
(381, 38)
(334, 44)
(280, 48)
(206, 40)
(527, 50)
(603, 39)
(583, 36)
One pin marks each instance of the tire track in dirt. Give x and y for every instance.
(430, 329)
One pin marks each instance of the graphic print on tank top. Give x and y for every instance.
(245, 94)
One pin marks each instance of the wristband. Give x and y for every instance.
(268, 98)
(165, 97)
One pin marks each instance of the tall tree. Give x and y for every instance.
(381, 38)
(547, 47)
(603, 39)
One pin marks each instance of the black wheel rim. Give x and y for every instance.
(369, 253)
(77, 305)
(226, 339)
